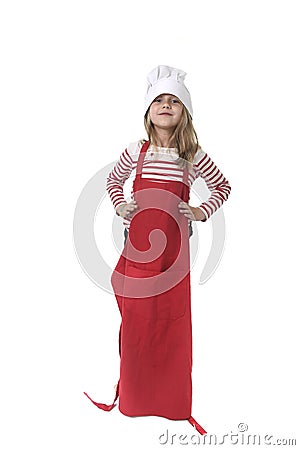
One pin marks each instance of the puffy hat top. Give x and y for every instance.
(167, 80)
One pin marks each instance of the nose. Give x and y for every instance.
(166, 104)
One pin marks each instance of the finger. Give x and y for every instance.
(187, 214)
(184, 209)
(131, 210)
(183, 205)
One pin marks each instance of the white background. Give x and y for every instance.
(73, 78)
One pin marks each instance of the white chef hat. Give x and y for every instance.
(167, 80)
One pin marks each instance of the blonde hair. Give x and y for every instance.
(184, 137)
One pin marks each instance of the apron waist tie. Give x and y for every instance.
(103, 405)
(196, 425)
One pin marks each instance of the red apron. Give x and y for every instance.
(151, 283)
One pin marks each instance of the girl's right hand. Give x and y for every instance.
(127, 209)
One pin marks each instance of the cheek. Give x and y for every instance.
(152, 111)
(153, 106)
(179, 113)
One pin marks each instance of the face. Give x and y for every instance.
(166, 111)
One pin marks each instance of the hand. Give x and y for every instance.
(190, 212)
(127, 209)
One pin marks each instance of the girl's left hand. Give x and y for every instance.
(190, 212)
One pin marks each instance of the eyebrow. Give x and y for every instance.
(167, 95)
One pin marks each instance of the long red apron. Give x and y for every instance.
(151, 283)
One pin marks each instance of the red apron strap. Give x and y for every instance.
(141, 159)
(196, 425)
(103, 405)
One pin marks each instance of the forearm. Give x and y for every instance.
(217, 184)
(116, 180)
(219, 194)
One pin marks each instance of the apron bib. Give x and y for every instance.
(151, 283)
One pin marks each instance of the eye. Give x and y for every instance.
(158, 100)
(174, 100)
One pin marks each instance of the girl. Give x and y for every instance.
(152, 278)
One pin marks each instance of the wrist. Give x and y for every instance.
(120, 209)
(200, 214)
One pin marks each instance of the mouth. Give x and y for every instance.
(165, 114)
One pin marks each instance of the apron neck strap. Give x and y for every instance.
(141, 159)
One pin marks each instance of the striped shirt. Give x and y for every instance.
(159, 165)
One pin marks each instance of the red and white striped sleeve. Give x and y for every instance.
(117, 177)
(216, 182)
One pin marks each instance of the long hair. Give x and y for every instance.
(184, 137)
